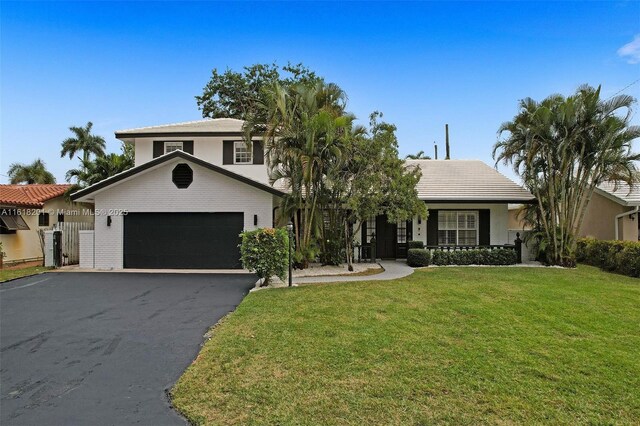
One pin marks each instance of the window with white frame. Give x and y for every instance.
(241, 153)
(371, 229)
(172, 146)
(458, 228)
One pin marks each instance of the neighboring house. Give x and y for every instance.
(196, 186)
(26, 209)
(612, 213)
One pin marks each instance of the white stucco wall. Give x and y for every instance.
(154, 191)
(86, 249)
(498, 219)
(208, 149)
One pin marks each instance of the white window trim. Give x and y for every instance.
(476, 213)
(173, 143)
(242, 144)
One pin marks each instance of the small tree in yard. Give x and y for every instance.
(265, 251)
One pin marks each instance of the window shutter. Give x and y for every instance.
(410, 230)
(187, 146)
(158, 148)
(484, 224)
(432, 228)
(258, 152)
(227, 152)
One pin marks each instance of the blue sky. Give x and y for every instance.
(423, 64)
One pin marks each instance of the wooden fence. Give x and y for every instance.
(71, 240)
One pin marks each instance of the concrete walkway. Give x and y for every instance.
(393, 269)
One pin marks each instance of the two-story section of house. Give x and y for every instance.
(194, 188)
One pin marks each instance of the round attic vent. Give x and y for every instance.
(182, 175)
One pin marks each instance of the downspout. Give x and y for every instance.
(621, 215)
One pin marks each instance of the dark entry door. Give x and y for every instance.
(182, 240)
(385, 238)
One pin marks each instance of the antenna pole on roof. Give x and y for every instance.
(435, 147)
(446, 132)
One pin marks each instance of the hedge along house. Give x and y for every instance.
(196, 185)
(468, 207)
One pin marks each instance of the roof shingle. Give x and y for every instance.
(30, 195)
(208, 125)
(466, 180)
(623, 192)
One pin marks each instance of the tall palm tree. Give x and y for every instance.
(83, 141)
(305, 128)
(35, 172)
(563, 148)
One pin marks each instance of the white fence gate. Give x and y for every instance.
(71, 240)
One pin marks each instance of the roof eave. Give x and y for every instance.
(453, 200)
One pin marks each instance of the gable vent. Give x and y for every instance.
(182, 175)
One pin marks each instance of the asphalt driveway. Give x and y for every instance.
(103, 348)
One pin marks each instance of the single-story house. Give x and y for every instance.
(26, 209)
(196, 185)
(612, 213)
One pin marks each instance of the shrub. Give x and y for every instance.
(441, 258)
(417, 257)
(615, 256)
(265, 251)
(475, 257)
(415, 245)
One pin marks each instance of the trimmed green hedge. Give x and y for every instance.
(417, 257)
(475, 257)
(622, 257)
(415, 245)
(265, 251)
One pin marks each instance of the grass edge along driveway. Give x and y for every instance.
(444, 345)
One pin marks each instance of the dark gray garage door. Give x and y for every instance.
(182, 240)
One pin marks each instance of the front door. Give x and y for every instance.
(385, 238)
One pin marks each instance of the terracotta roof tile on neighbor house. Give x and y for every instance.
(30, 195)
(466, 180)
(621, 192)
(206, 126)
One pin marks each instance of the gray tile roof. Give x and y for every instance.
(621, 192)
(198, 126)
(466, 180)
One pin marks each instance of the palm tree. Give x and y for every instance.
(35, 172)
(563, 148)
(83, 141)
(304, 133)
(419, 156)
(91, 172)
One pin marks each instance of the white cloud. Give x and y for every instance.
(631, 50)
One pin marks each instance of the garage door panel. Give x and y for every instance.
(182, 240)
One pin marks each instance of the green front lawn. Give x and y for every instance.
(445, 345)
(10, 274)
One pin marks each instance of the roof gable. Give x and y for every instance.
(33, 195)
(466, 181)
